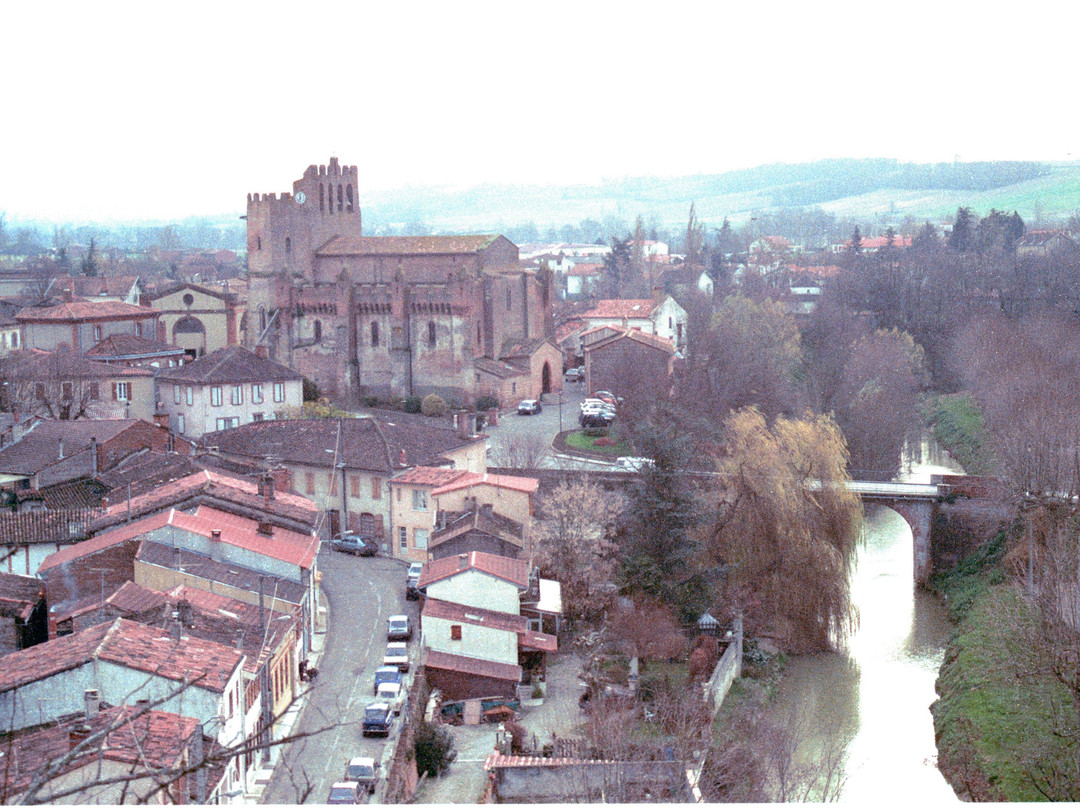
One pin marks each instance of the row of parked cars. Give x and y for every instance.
(599, 409)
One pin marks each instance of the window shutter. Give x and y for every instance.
(114, 392)
(379, 526)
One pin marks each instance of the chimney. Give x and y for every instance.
(265, 528)
(161, 419)
(215, 535)
(262, 352)
(92, 701)
(280, 476)
(175, 626)
(658, 294)
(463, 561)
(78, 734)
(267, 486)
(60, 451)
(94, 455)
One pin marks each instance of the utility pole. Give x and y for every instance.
(264, 681)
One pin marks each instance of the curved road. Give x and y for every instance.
(362, 594)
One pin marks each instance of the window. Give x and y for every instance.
(122, 391)
(420, 537)
(374, 335)
(97, 333)
(256, 394)
(376, 488)
(509, 299)
(215, 396)
(190, 396)
(455, 632)
(309, 482)
(237, 394)
(431, 334)
(138, 329)
(227, 423)
(318, 330)
(354, 486)
(670, 324)
(176, 394)
(95, 391)
(256, 417)
(65, 391)
(279, 391)
(180, 424)
(288, 245)
(419, 499)
(15, 339)
(403, 538)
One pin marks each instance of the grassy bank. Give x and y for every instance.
(1006, 726)
(588, 443)
(959, 427)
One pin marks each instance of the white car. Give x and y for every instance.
(634, 463)
(397, 653)
(393, 694)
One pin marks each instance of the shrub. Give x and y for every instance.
(311, 390)
(434, 747)
(433, 406)
(604, 442)
(487, 403)
(411, 404)
(596, 432)
(369, 401)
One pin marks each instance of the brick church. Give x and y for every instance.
(392, 316)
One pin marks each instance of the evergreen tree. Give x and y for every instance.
(89, 264)
(856, 241)
(962, 237)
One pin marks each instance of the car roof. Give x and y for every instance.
(387, 669)
(398, 617)
(349, 784)
(362, 761)
(377, 705)
(396, 645)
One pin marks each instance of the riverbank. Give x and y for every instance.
(1006, 726)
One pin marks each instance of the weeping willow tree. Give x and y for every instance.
(786, 528)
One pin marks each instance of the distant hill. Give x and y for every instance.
(870, 190)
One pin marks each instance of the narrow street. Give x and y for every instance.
(362, 593)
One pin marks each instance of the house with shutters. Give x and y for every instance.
(476, 642)
(661, 316)
(345, 465)
(79, 325)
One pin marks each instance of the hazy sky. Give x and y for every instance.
(119, 110)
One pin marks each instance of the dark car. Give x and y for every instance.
(411, 592)
(387, 673)
(378, 718)
(529, 406)
(398, 627)
(597, 418)
(355, 543)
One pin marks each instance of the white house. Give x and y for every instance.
(227, 388)
(663, 317)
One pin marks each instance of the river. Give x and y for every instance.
(868, 706)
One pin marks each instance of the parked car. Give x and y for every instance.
(355, 543)
(344, 794)
(529, 406)
(608, 396)
(595, 402)
(378, 718)
(411, 592)
(364, 771)
(596, 419)
(634, 463)
(393, 693)
(397, 653)
(574, 374)
(398, 627)
(387, 673)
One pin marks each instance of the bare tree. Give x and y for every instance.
(521, 451)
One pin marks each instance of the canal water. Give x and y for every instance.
(867, 707)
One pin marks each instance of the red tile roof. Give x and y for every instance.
(209, 665)
(152, 740)
(584, 270)
(129, 345)
(80, 310)
(428, 475)
(621, 309)
(514, 570)
(527, 485)
(652, 340)
(284, 545)
(135, 599)
(231, 365)
(471, 665)
(19, 594)
(40, 447)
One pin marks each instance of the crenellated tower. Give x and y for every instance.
(283, 233)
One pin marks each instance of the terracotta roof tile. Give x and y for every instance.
(428, 475)
(19, 594)
(135, 599)
(129, 345)
(40, 447)
(527, 485)
(34, 364)
(447, 610)
(470, 665)
(80, 310)
(514, 570)
(651, 340)
(621, 309)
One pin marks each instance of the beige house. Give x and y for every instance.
(79, 325)
(225, 389)
(199, 319)
(345, 465)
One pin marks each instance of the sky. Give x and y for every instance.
(164, 110)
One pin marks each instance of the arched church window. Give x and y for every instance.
(431, 334)
(374, 335)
